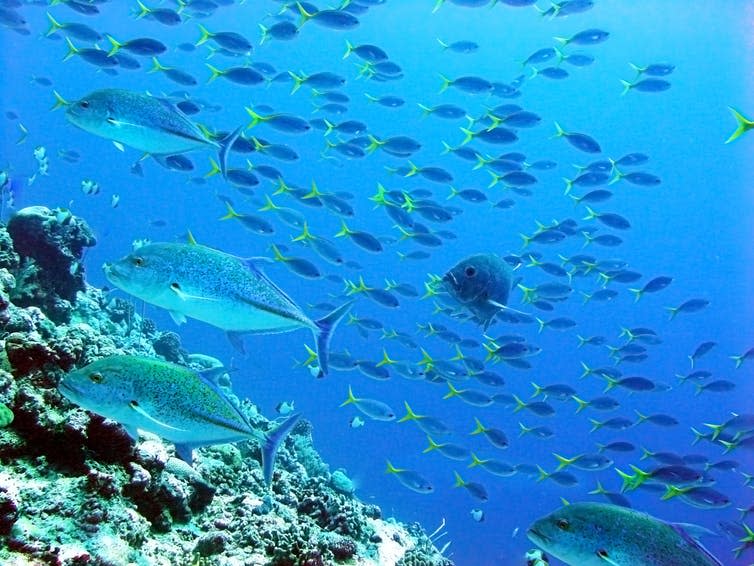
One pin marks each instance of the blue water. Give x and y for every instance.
(694, 227)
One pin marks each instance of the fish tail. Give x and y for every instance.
(72, 50)
(562, 40)
(559, 132)
(143, 10)
(351, 399)
(156, 65)
(325, 326)
(626, 86)
(225, 144)
(432, 445)
(374, 143)
(297, 81)
(60, 102)
(639, 70)
(305, 16)
(215, 72)
(370, 97)
(206, 35)
(116, 45)
(670, 492)
(273, 440)
(637, 295)
(426, 110)
(54, 25)
(480, 428)
(459, 480)
(410, 415)
(744, 124)
(391, 469)
(438, 3)
(446, 82)
(442, 44)
(214, 169)
(469, 136)
(265, 33)
(231, 212)
(349, 49)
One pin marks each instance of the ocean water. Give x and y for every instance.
(695, 226)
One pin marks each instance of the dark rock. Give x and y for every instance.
(54, 241)
(8, 511)
(342, 548)
(168, 345)
(211, 544)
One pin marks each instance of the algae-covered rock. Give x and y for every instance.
(6, 416)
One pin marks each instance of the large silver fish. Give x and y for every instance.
(601, 534)
(191, 280)
(147, 123)
(171, 401)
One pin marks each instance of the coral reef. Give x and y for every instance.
(74, 489)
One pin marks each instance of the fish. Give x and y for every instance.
(365, 51)
(429, 425)
(479, 286)
(231, 293)
(654, 69)
(475, 489)
(282, 31)
(582, 142)
(372, 408)
(600, 534)
(447, 449)
(145, 46)
(585, 37)
(646, 85)
(174, 402)
(229, 40)
(410, 479)
(144, 122)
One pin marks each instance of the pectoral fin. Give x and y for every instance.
(176, 288)
(136, 407)
(178, 317)
(603, 555)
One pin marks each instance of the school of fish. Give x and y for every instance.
(485, 311)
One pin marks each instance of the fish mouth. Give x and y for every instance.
(450, 278)
(110, 271)
(536, 536)
(68, 390)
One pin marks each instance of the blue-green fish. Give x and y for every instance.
(601, 534)
(174, 402)
(191, 280)
(147, 123)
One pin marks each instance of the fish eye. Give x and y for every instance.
(602, 553)
(563, 526)
(175, 286)
(470, 271)
(84, 104)
(138, 261)
(96, 377)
